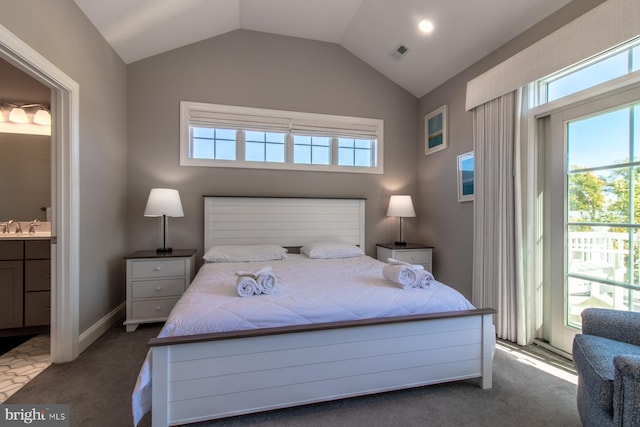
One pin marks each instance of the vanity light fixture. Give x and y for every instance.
(164, 202)
(401, 206)
(33, 119)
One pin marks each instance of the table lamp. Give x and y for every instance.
(401, 206)
(164, 202)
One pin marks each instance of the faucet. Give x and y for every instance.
(32, 225)
(18, 227)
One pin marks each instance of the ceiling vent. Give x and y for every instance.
(399, 51)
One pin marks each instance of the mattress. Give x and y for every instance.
(308, 291)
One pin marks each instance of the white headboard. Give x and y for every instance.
(282, 220)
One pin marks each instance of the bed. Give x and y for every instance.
(320, 337)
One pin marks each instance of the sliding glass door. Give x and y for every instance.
(592, 211)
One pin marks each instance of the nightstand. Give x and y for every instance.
(413, 253)
(155, 282)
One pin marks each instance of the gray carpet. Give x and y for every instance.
(98, 386)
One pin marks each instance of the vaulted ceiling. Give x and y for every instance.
(464, 30)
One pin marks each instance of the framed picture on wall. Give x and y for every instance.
(466, 178)
(435, 130)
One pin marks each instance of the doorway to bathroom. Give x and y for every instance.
(25, 202)
(65, 218)
(25, 228)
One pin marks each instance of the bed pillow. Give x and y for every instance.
(331, 250)
(245, 253)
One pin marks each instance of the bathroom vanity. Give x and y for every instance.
(25, 281)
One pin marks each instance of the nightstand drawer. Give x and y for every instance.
(149, 309)
(414, 257)
(157, 268)
(157, 288)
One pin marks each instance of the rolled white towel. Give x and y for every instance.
(247, 286)
(402, 275)
(262, 281)
(424, 279)
(266, 280)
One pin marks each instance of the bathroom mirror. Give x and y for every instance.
(25, 160)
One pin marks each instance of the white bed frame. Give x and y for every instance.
(202, 377)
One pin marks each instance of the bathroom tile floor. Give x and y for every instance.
(22, 364)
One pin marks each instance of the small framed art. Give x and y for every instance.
(435, 130)
(466, 178)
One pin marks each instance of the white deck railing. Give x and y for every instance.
(601, 255)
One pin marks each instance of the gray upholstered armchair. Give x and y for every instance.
(607, 358)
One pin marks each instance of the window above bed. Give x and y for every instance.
(242, 137)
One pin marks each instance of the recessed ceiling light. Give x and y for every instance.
(425, 26)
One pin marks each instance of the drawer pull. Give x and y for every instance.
(159, 288)
(158, 308)
(157, 269)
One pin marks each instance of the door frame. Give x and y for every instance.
(64, 191)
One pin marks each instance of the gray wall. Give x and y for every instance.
(261, 70)
(443, 221)
(60, 32)
(25, 160)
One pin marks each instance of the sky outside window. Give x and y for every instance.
(617, 65)
(212, 143)
(265, 146)
(355, 152)
(312, 150)
(599, 141)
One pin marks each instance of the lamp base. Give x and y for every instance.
(400, 243)
(164, 250)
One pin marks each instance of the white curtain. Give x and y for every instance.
(496, 264)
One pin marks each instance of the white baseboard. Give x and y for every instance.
(100, 327)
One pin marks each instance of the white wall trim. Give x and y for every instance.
(65, 99)
(605, 26)
(101, 326)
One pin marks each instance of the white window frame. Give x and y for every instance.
(539, 95)
(295, 120)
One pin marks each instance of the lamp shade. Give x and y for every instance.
(163, 201)
(402, 206)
